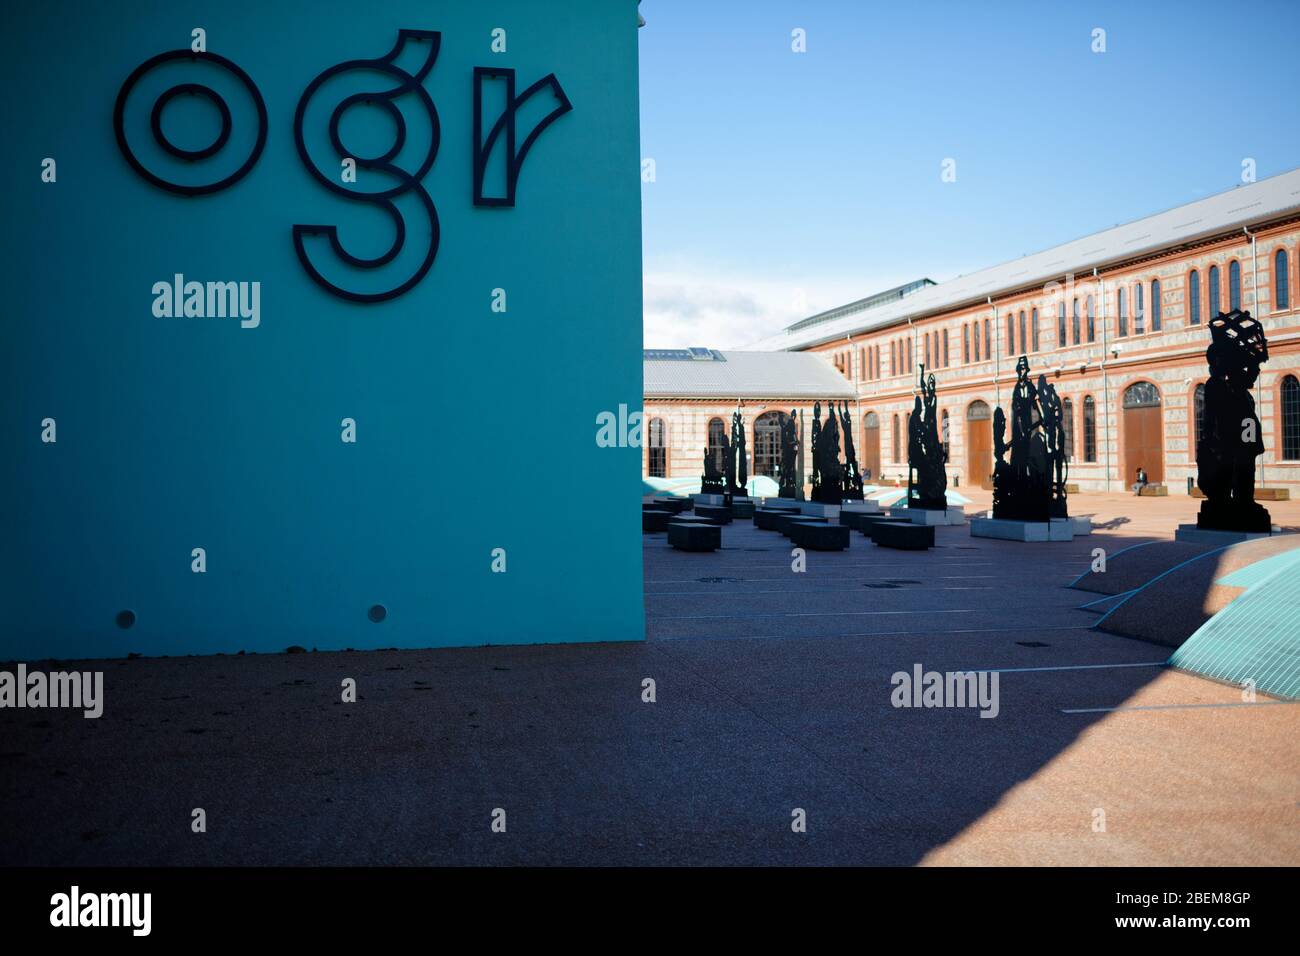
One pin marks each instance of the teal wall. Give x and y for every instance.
(475, 430)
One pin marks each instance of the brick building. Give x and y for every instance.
(1117, 321)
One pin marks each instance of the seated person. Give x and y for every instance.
(1141, 481)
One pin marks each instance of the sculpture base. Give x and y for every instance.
(1193, 534)
(1007, 530)
(930, 516)
(819, 509)
(1081, 525)
(1246, 517)
(864, 507)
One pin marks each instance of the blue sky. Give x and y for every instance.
(786, 182)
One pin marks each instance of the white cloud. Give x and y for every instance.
(686, 308)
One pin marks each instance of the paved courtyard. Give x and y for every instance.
(772, 695)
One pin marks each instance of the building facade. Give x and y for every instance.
(692, 394)
(1117, 321)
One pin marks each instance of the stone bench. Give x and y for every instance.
(742, 509)
(1153, 491)
(654, 521)
(765, 518)
(783, 522)
(718, 514)
(1272, 494)
(853, 519)
(1071, 488)
(819, 535)
(905, 536)
(675, 505)
(867, 523)
(694, 535)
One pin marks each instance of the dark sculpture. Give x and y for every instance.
(827, 470)
(711, 480)
(927, 479)
(789, 454)
(852, 474)
(1031, 487)
(1231, 436)
(816, 443)
(1054, 434)
(738, 470)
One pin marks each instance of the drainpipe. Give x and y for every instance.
(912, 329)
(1254, 301)
(997, 352)
(1105, 374)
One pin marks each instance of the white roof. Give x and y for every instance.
(746, 375)
(1266, 199)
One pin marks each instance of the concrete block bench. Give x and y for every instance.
(718, 514)
(819, 535)
(1153, 491)
(765, 518)
(853, 519)
(675, 505)
(905, 536)
(694, 535)
(783, 522)
(867, 523)
(1272, 494)
(1071, 488)
(654, 521)
(742, 509)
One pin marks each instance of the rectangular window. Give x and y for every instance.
(1060, 326)
(1121, 307)
(1033, 321)
(1194, 297)
(965, 344)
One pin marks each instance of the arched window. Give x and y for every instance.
(1024, 339)
(1060, 325)
(1281, 281)
(1089, 428)
(1216, 304)
(717, 432)
(658, 448)
(1011, 333)
(976, 326)
(894, 444)
(1194, 297)
(1198, 415)
(945, 348)
(1141, 395)
(1122, 310)
(1139, 311)
(1074, 321)
(1067, 421)
(1033, 321)
(988, 338)
(910, 364)
(767, 443)
(1234, 284)
(1290, 418)
(1092, 320)
(1156, 317)
(965, 344)
(978, 411)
